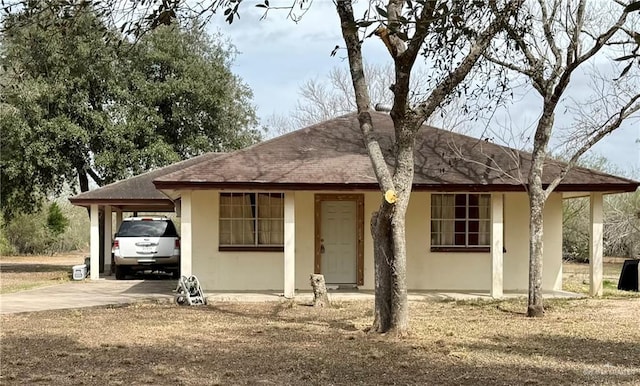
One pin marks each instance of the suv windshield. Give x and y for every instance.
(147, 228)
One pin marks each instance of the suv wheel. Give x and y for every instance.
(121, 272)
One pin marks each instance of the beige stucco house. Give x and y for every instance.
(265, 217)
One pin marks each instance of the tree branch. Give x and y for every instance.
(354, 51)
(625, 112)
(547, 21)
(574, 40)
(456, 76)
(98, 180)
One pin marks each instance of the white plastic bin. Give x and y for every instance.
(79, 272)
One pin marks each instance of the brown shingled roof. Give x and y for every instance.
(331, 155)
(138, 189)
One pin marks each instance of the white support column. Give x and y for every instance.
(95, 242)
(596, 245)
(497, 245)
(118, 219)
(108, 235)
(186, 240)
(289, 245)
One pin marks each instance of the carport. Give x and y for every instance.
(133, 195)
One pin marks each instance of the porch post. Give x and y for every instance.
(95, 242)
(108, 234)
(118, 219)
(289, 245)
(497, 245)
(186, 240)
(596, 245)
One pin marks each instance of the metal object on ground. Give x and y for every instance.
(189, 292)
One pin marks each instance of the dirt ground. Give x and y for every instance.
(452, 343)
(19, 273)
(585, 341)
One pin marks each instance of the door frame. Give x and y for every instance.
(359, 200)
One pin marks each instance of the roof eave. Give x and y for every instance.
(247, 185)
(120, 201)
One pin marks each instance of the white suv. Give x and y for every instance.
(144, 243)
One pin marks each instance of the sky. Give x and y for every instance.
(277, 55)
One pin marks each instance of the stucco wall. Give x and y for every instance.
(235, 271)
(232, 271)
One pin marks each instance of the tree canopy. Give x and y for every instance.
(79, 100)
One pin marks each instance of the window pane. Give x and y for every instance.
(460, 219)
(485, 233)
(251, 219)
(225, 232)
(436, 211)
(485, 207)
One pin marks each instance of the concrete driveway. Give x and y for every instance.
(86, 294)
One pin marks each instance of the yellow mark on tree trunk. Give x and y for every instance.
(390, 196)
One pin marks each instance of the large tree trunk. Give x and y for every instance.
(403, 180)
(399, 302)
(388, 231)
(389, 245)
(537, 199)
(535, 306)
(83, 180)
(382, 255)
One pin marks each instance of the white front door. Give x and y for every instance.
(339, 241)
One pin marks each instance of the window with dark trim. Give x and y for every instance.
(460, 221)
(251, 220)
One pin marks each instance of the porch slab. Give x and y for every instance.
(353, 295)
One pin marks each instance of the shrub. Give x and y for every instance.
(57, 227)
(5, 245)
(29, 234)
(56, 221)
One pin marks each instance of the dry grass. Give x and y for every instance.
(576, 279)
(577, 342)
(587, 341)
(19, 273)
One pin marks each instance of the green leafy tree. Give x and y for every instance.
(57, 82)
(57, 222)
(183, 100)
(81, 103)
